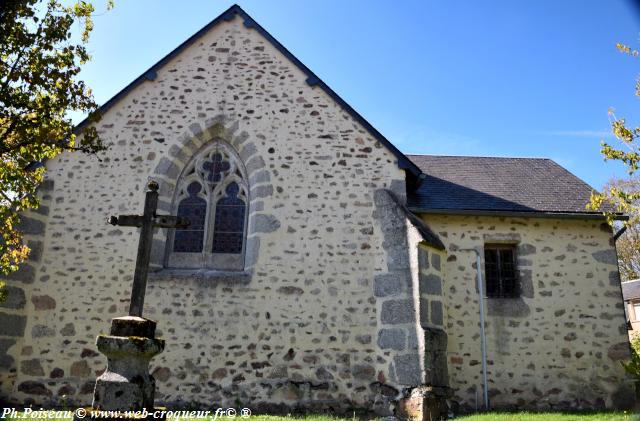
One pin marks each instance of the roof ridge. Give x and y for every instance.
(312, 80)
(481, 156)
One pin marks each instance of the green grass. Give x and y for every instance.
(552, 416)
(295, 418)
(492, 416)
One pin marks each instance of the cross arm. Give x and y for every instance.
(169, 221)
(126, 220)
(162, 221)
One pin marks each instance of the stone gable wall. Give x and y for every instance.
(296, 328)
(560, 344)
(21, 299)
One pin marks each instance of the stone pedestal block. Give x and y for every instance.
(133, 326)
(435, 357)
(424, 403)
(126, 384)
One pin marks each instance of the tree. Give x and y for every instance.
(40, 59)
(628, 245)
(622, 196)
(633, 365)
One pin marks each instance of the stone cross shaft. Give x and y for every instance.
(147, 221)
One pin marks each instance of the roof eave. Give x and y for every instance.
(529, 214)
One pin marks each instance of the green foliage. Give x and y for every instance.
(39, 86)
(628, 245)
(546, 416)
(615, 198)
(491, 416)
(633, 366)
(3, 292)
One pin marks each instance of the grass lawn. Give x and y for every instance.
(522, 416)
(551, 416)
(296, 418)
(493, 416)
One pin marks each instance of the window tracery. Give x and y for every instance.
(213, 193)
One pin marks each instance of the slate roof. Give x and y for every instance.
(461, 184)
(312, 80)
(631, 290)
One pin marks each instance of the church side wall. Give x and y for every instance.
(560, 344)
(299, 327)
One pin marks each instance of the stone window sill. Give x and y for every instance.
(201, 277)
(508, 307)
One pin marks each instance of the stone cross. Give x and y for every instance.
(147, 221)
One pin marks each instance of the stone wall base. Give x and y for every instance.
(424, 403)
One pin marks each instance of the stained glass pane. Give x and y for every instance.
(190, 239)
(216, 167)
(228, 233)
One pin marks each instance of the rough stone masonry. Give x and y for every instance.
(345, 299)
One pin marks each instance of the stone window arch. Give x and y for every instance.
(213, 192)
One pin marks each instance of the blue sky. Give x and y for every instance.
(489, 78)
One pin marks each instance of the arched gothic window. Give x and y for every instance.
(212, 192)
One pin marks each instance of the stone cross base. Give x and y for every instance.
(425, 403)
(126, 383)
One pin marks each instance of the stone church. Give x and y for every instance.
(323, 269)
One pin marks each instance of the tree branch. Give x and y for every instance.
(24, 48)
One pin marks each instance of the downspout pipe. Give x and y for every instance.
(483, 337)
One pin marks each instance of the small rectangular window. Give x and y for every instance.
(500, 270)
(636, 310)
